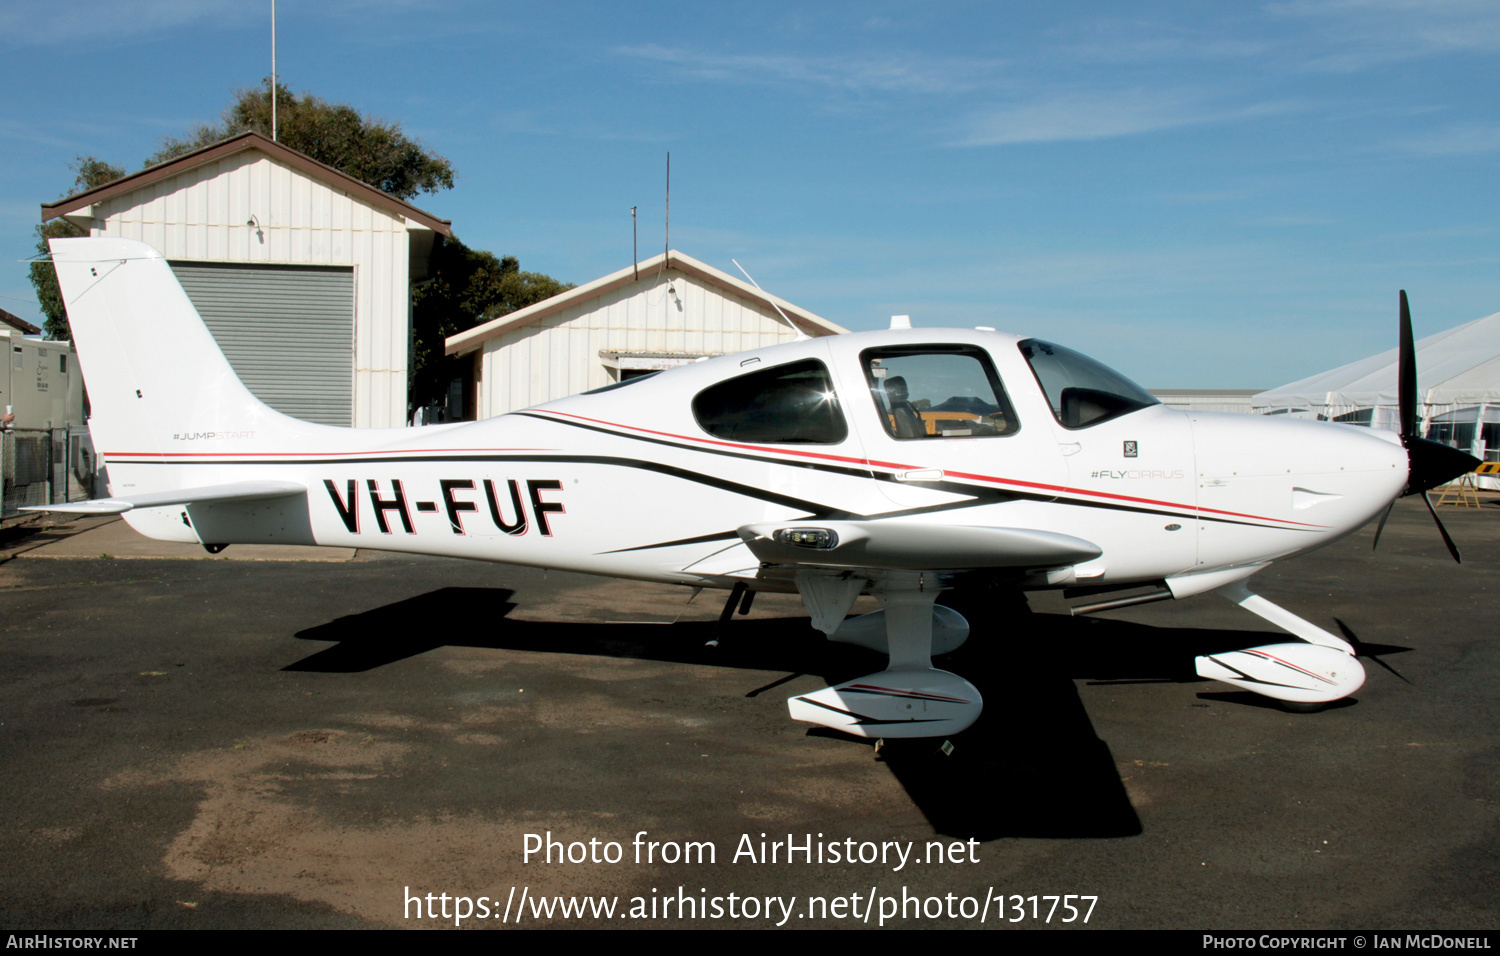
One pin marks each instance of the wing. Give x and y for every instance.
(903, 546)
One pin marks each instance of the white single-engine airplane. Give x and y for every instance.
(896, 463)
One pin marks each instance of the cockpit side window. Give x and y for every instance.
(937, 391)
(1081, 391)
(785, 405)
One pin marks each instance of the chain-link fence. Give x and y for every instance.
(44, 466)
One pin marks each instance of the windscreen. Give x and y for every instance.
(1081, 391)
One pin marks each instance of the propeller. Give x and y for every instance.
(1429, 463)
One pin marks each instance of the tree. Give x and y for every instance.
(337, 135)
(467, 287)
(91, 173)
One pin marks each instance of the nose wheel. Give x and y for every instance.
(1305, 677)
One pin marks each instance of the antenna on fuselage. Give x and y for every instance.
(800, 334)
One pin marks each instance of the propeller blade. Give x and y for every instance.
(1381, 527)
(1452, 548)
(1429, 463)
(1406, 374)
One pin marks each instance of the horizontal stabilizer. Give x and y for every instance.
(234, 491)
(911, 546)
(1300, 673)
(904, 702)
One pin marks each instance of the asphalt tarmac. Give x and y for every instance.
(287, 743)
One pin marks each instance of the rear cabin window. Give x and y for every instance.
(785, 405)
(621, 383)
(937, 391)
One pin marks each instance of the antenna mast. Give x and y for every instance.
(800, 334)
(273, 71)
(667, 240)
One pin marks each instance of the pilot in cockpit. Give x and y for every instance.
(904, 417)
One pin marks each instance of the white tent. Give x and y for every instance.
(1458, 390)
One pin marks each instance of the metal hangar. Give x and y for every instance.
(302, 273)
(665, 311)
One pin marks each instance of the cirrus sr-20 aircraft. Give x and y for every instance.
(895, 463)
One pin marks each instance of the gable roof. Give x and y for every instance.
(238, 144)
(644, 271)
(16, 322)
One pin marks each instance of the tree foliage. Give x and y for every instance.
(334, 134)
(467, 287)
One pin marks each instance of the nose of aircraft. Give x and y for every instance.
(1433, 463)
(1334, 476)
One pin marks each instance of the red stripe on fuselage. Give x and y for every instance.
(761, 449)
(291, 454)
(895, 466)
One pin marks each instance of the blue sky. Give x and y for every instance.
(1200, 194)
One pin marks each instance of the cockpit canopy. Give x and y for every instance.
(917, 391)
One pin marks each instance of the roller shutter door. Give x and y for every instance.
(288, 332)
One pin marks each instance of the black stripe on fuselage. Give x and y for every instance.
(977, 494)
(974, 495)
(744, 456)
(814, 509)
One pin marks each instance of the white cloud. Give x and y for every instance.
(1101, 114)
(54, 23)
(1354, 35)
(1083, 115)
(1466, 140)
(45, 23)
(879, 72)
(30, 133)
(1131, 41)
(1294, 220)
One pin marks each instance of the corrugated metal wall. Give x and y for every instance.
(288, 332)
(1206, 400)
(205, 214)
(559, 355)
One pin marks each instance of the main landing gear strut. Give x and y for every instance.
(910, 698)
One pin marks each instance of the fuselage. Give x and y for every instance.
(651, 479)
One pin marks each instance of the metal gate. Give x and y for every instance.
(44, 466)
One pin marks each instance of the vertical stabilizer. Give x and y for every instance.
(156, 378)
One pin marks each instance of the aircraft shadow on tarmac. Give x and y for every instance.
(1031, 766)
